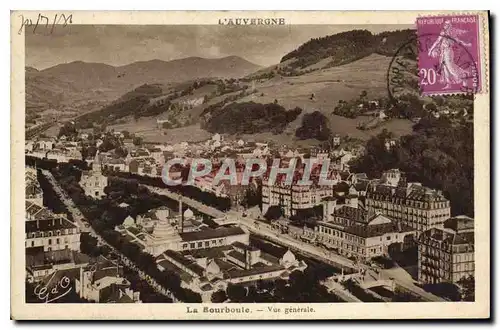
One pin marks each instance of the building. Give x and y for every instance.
(102, 282)
(64, 155)
(33, 191)
(416, 206)
(350, 230)
(45, 143)
(158, 232)
(152, 217)
(93, 182)
(208, 270)
(116, 164)
(294, 197)
(336, 140)
(156, 154)
(363, 236)
(28, 146)
(40, 264)
(447, 254)
(51, 231)
(160, 122)
(341, 161)
(320, 153)
(389, 144)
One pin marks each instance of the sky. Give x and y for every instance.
(123, 44)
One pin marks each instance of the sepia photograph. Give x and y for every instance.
(252, 161)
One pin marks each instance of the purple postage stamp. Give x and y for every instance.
(448, 54)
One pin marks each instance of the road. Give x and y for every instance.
(205, 209)
(340, 291)
(78, 217)
(84, 226)
(402, 278)
(259, 229)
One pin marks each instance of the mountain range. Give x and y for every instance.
(313, 78)
(68, 84)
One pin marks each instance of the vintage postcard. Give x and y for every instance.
(250, 165)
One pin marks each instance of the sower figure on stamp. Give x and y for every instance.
(450, 72)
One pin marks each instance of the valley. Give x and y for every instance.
(174, 101)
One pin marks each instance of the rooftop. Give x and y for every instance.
(368, 230)
(244, 246)
(188, 263)
(211, 233)
(351, 213)
(47, 225)
(235, 273)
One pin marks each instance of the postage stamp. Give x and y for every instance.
(250, 165)
(448, 57)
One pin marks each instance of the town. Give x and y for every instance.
(101, 220)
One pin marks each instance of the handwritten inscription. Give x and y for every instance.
(46, 293)
(44, 24)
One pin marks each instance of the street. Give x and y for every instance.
(85, 227)
(260, 229)
(401, 277)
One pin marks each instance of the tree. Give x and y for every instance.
(431, 107)
(265, 286)
(314, 126)
(166, 125)
(468, 288)
(88, 245)
(137, 141)
(252, 295)
(252, 197)
(126, 134)
(440, 101)
(446, 290)
(236, 293)
(403, 296)
(274, 212)
(121, 152)
(68, 130)
(219, 296)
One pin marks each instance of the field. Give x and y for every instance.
(328, 85)
(320, 90)
(147, 129)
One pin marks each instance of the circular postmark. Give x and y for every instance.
(418, 67)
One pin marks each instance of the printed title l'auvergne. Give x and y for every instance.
(396, 224)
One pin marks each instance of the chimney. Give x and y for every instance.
(182, 216)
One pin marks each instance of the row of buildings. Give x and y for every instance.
(148, 160)
(53, 256)
(368, 218)
(206, 259)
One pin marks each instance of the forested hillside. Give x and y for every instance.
(131, 103)
(250, 117)
(347, 47)
(439, 154)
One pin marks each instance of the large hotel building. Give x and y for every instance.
(416, 206)
(292, 198)
(447, 254)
